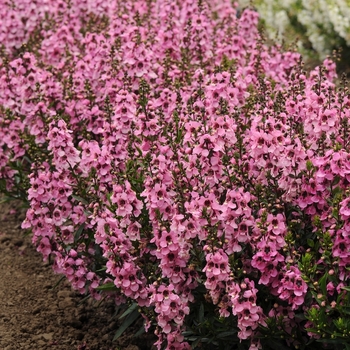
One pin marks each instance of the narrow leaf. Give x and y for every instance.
(79, 199)
(127, 322)
(226, 334)
(107, 287)
(129, 310)
(201, 313)
(78, 232)
(139, 332)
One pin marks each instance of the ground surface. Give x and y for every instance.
(36, 315)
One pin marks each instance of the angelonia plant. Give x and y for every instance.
(173, 161)
(320, 25)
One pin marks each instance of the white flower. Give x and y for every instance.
(324, 23)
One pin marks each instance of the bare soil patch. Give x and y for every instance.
(36, 313)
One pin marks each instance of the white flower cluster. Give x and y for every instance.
(323, 23)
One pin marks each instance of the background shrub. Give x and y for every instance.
(318, 27)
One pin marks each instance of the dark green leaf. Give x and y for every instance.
(107, 287)
(78, 232)
(82, 301)
(226, 334)
(139, 332)
(346, 310)
(192, 339)
(102, 269)
(300, 316)
(80, 199)
(205, 340)
(195, 343)
(129, 310)
(201, 313)
(323, 283)
(310, 243)
(127, 322)
(187, 333)
(58, 282)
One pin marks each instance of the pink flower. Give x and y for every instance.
(345, 209)
(124, 208)
(217, 265)
(293, 288)
(330, 288)
(44, 248)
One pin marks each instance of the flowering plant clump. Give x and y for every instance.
(173, 160)
(321, 24)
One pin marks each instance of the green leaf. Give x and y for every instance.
(5, 200)
(107, 287)
(139, 332)
(187, 333)
(205, 340)
(311, 330)
(82, 301)
(226, 334)
(323, 283)
(195, 343)
(192, 339)
(346, 310)
(80, 199)
(300, 316)
(58, 282)
(25, 158)
(79, 232)
(129, 310)
(127, 322)
(309, 165)
(201, 313)
(310, 243)
(116, 312)
(102, 269)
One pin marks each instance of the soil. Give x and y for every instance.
(39, 313)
